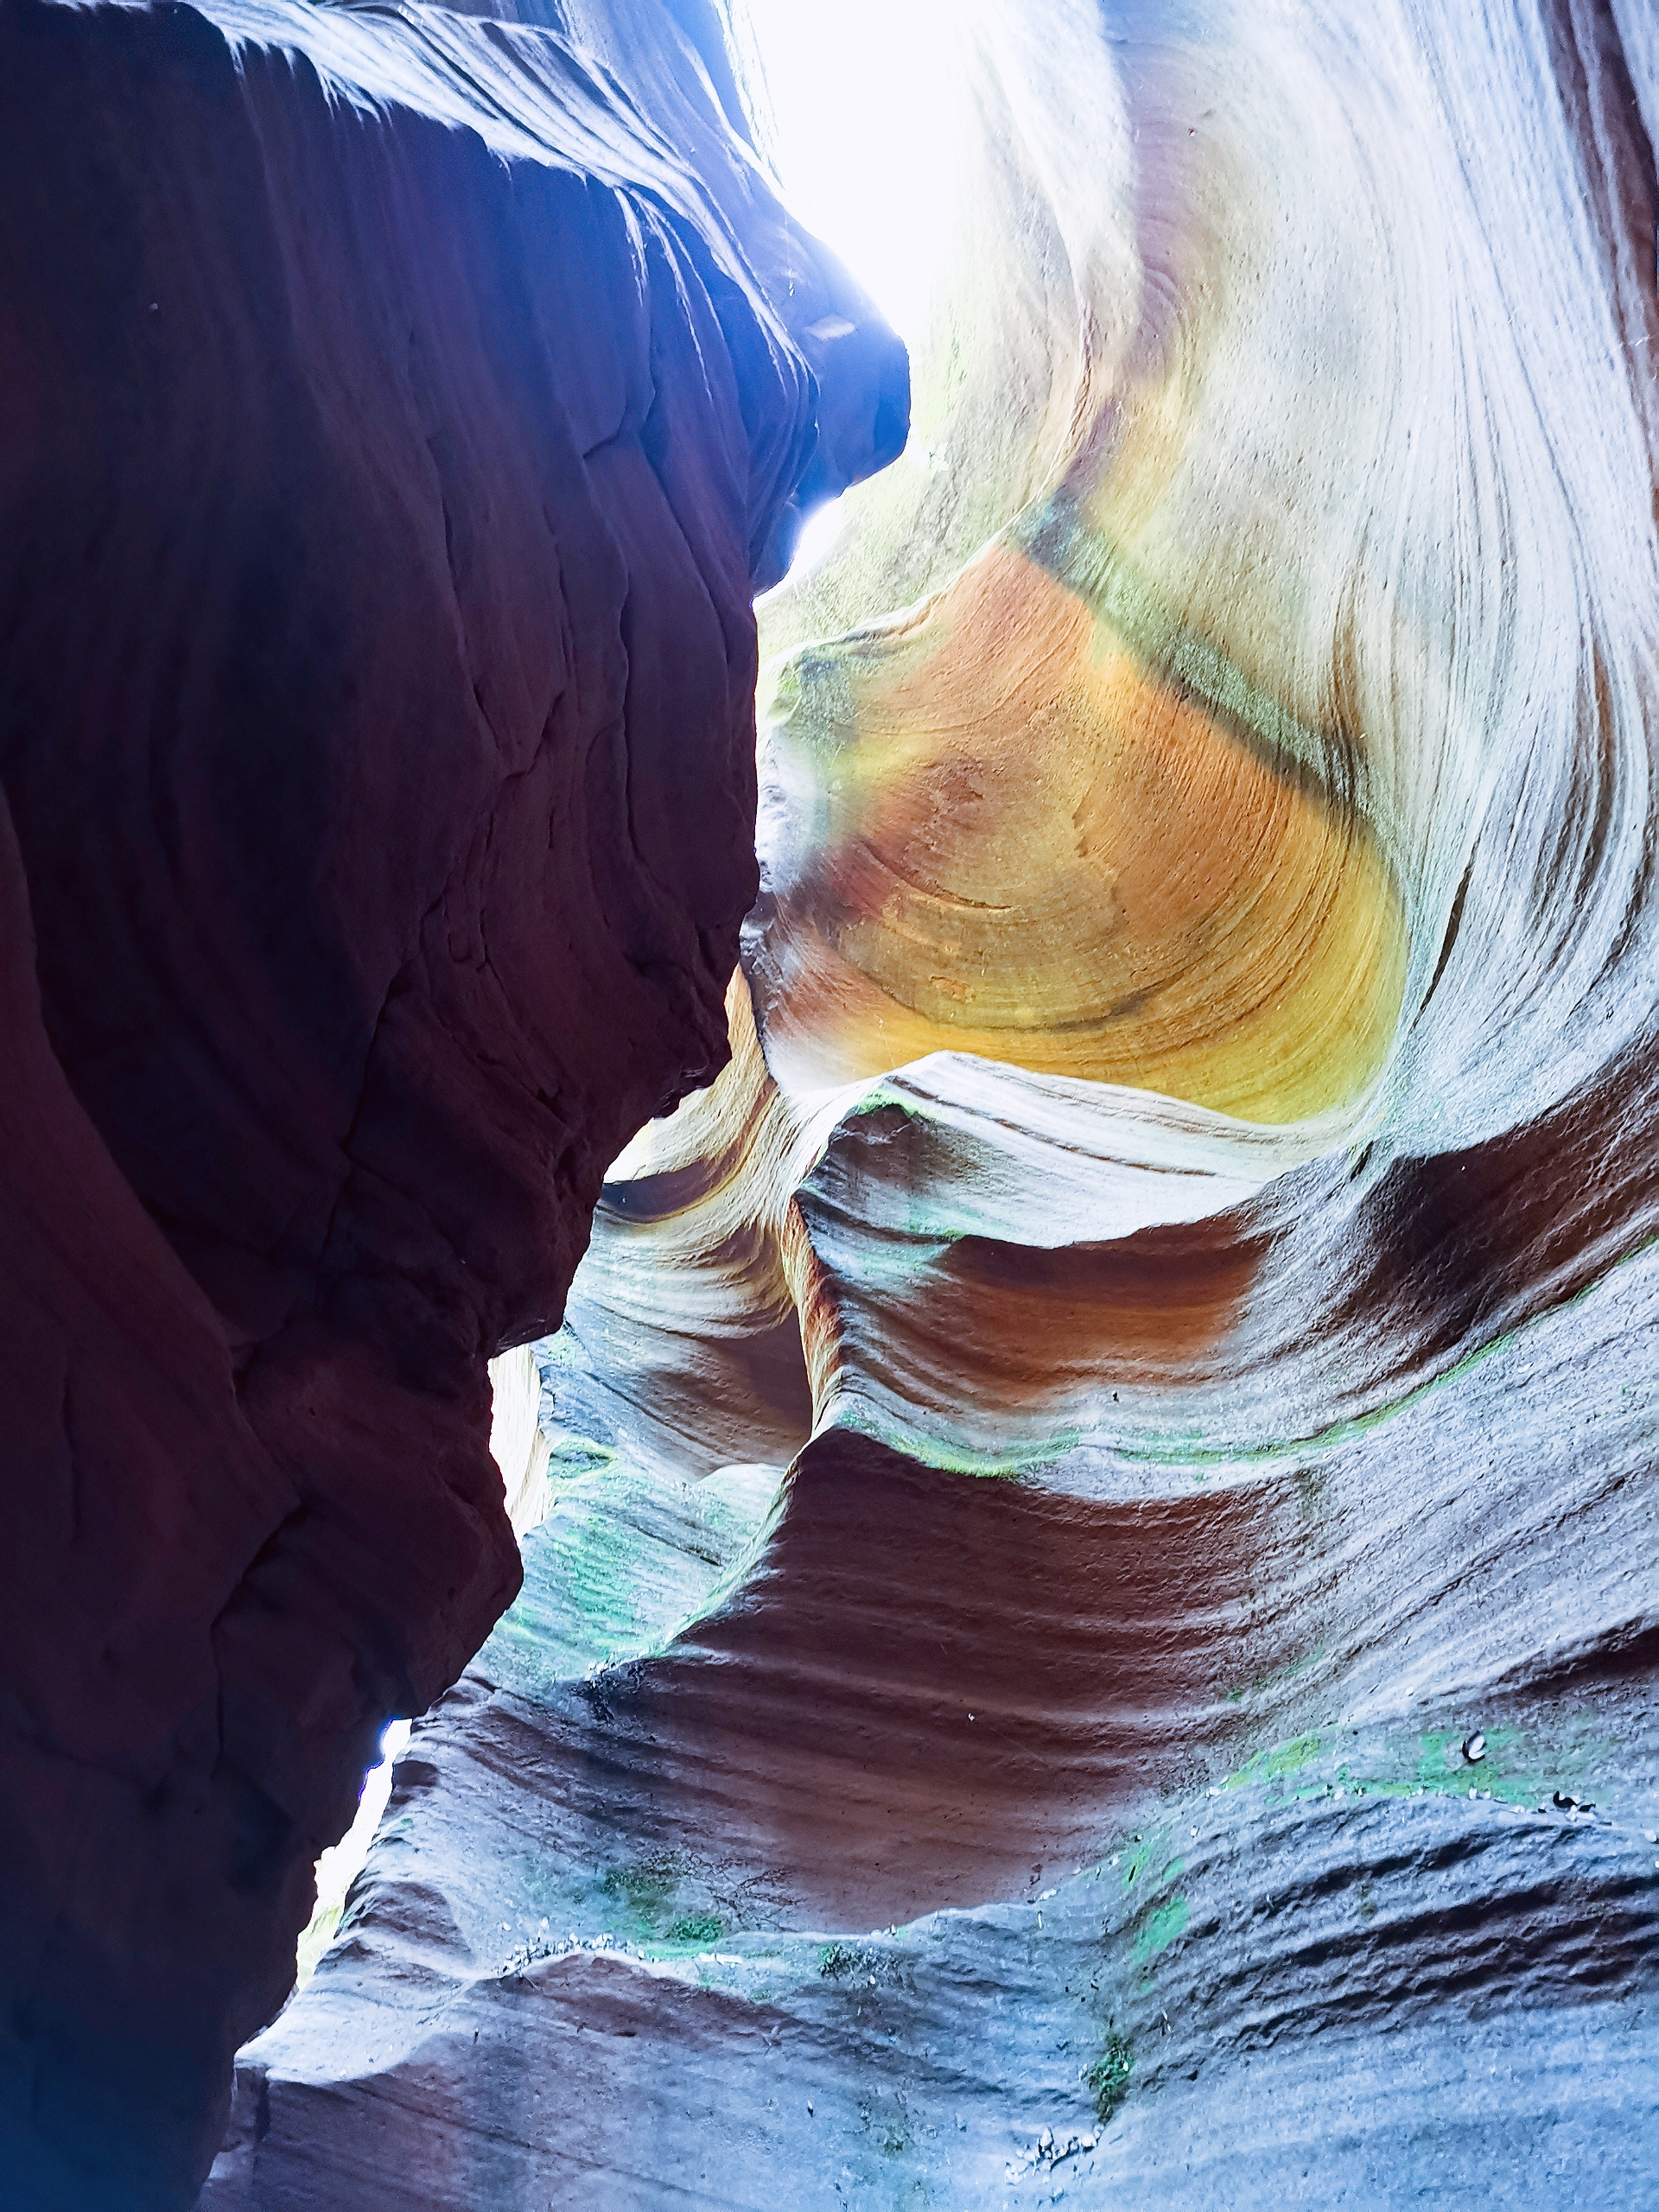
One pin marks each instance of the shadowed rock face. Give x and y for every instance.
(1178, 1223)
(397, 413)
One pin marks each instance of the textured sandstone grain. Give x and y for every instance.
(396, 412)
(1144, 1352)
(1191, 1128)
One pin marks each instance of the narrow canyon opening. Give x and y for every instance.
(831, 1219)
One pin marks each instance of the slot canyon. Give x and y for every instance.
(847, 1123)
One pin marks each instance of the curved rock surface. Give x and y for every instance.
(1182, 1731)
(397, 410)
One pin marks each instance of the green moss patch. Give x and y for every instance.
(696, 1927)
(1109, 2077)
(1160, 1927)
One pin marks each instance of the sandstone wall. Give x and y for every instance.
(397, 411)
(1176, 1226)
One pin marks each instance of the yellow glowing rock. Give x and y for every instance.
(1030, 848)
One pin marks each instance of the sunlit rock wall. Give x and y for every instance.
(397, 412)
(1178, 1227)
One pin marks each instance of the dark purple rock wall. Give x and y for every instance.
(392, 431)
(1182, 1731)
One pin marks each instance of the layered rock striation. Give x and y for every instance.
(397, 412)
(1178, 1227)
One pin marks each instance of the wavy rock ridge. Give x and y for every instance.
(398, 412)
(1181, 1731)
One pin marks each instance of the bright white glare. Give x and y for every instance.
(339, 1865)
(860, 93)
(818, 534)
